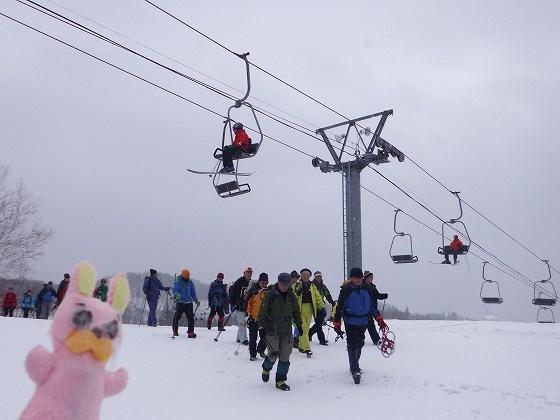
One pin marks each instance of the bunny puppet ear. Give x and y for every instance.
(119, 292)
(83, 279)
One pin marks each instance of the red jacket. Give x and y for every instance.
(61, 292)
(456, 245)
(242, 140)
(10, 300)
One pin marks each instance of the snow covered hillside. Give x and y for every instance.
(445, 370)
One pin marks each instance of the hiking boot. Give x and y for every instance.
(357, 376)
(283, 386)
(175, 334)
(309, 353)
(265, 375)
(324, 343)
(245, 342)
(263, 355)
(446, 262)
(301, 350)
(191, 335)
(252, 358)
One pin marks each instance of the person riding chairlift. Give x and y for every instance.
(455, 247)
(241, 144)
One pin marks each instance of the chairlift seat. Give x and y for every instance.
(253, 149)
(404, 259)
(462, 251)
(232, 189)
(544, 302)
(492, 300)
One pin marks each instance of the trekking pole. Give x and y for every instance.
(223, 327)
(142, 313)
(236, 352)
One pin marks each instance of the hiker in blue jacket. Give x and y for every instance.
(27, 303)
(217, 301)
(356, 303)
(152, 287)
(184, 294)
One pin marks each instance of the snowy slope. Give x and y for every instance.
(445, 370)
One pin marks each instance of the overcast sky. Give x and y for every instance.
(474, 87)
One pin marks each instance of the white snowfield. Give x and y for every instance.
(440, 370)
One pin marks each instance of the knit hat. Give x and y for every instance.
(248, 269)
(50, 283)
(294, 274)
(67, 276)
(185, 273)
(153, 272)
(220, 276)
(305, 269)
(356, 272)
(367, 274)
(317, 273)
(263, 277)
(284, 278)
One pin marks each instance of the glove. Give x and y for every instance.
(382, 325)
(167, 289)
(337, 326)
(383, 296)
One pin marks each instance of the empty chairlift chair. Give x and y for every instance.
(545, 296)
(486, 287)
(401, 258)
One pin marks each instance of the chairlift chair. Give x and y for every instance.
(486, 285)
(444, 247)
(401, 258)
(234, 188)
(545, 297)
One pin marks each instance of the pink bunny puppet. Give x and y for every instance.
(72, 380)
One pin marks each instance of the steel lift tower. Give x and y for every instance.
(366, 151)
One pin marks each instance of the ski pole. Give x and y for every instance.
(222, 330)
(142, 313)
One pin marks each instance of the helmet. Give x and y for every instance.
(237, 126)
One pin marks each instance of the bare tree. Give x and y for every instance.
(22, 238)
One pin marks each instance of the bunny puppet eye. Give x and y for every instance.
(112, 329)
(82, 318)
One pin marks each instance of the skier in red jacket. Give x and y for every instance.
(454, 248)
(241, 144)
(10, 302)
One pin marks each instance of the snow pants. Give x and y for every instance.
(279, 348)
(306, 318)
(372, 330)
(187, 309)
(228, 153)
(254, 334)
(152, 306)
(26, 312)
(8, 311)
(241, 320)
(45, 310)
(318, 326)
(355, 337)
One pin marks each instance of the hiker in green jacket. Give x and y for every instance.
(278, 311)
(321, 314)
(101, 292)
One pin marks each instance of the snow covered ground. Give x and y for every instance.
(445, 370)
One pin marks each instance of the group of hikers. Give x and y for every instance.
(46, 300)
(273, 319)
